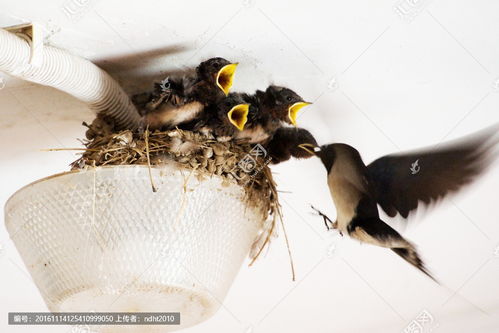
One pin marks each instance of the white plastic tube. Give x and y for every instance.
(71, 74)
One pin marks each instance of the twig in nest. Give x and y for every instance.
(276, 214)
(279, 213)
(267, 240)
(61, 149)
(146, 140)
(289, 249)
(186, 180)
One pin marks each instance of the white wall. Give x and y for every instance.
(380, 82)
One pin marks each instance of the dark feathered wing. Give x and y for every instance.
(401, 181)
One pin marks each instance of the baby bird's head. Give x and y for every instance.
(284, 103)
(234, 109)
(219, 72)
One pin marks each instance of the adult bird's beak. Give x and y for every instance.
(310, 148)
(225, 77)
(238, 115)
(293, 111)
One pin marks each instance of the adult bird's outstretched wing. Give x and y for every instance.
(401, 181)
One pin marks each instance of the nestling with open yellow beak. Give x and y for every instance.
(179, 101)
(224, 119)
(270, 110)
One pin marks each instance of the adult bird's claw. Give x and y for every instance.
(334, 225)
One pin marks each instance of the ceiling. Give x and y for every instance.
(384, 76)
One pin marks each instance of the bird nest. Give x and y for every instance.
(242, 164)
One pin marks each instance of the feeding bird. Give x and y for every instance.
(179, 101)
(270, 110)
(285, 144)
(393, 183)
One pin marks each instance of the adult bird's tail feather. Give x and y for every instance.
(410, 255)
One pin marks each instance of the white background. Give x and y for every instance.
(384, 75)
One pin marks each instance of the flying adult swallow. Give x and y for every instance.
(393, 183)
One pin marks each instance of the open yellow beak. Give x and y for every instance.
(225, 77)
(293, 111)
(309, 148)
(238, 115)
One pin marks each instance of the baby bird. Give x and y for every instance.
(286, 144)
(224, 119)
(397, 186)
(281, 103)
(270, 110)
(179, 101)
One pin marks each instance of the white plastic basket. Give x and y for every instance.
(101, 240)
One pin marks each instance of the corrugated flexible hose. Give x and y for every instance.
(72, 74)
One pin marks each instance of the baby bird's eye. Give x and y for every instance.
(227, 104)
(215, 64)
(289, 99)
